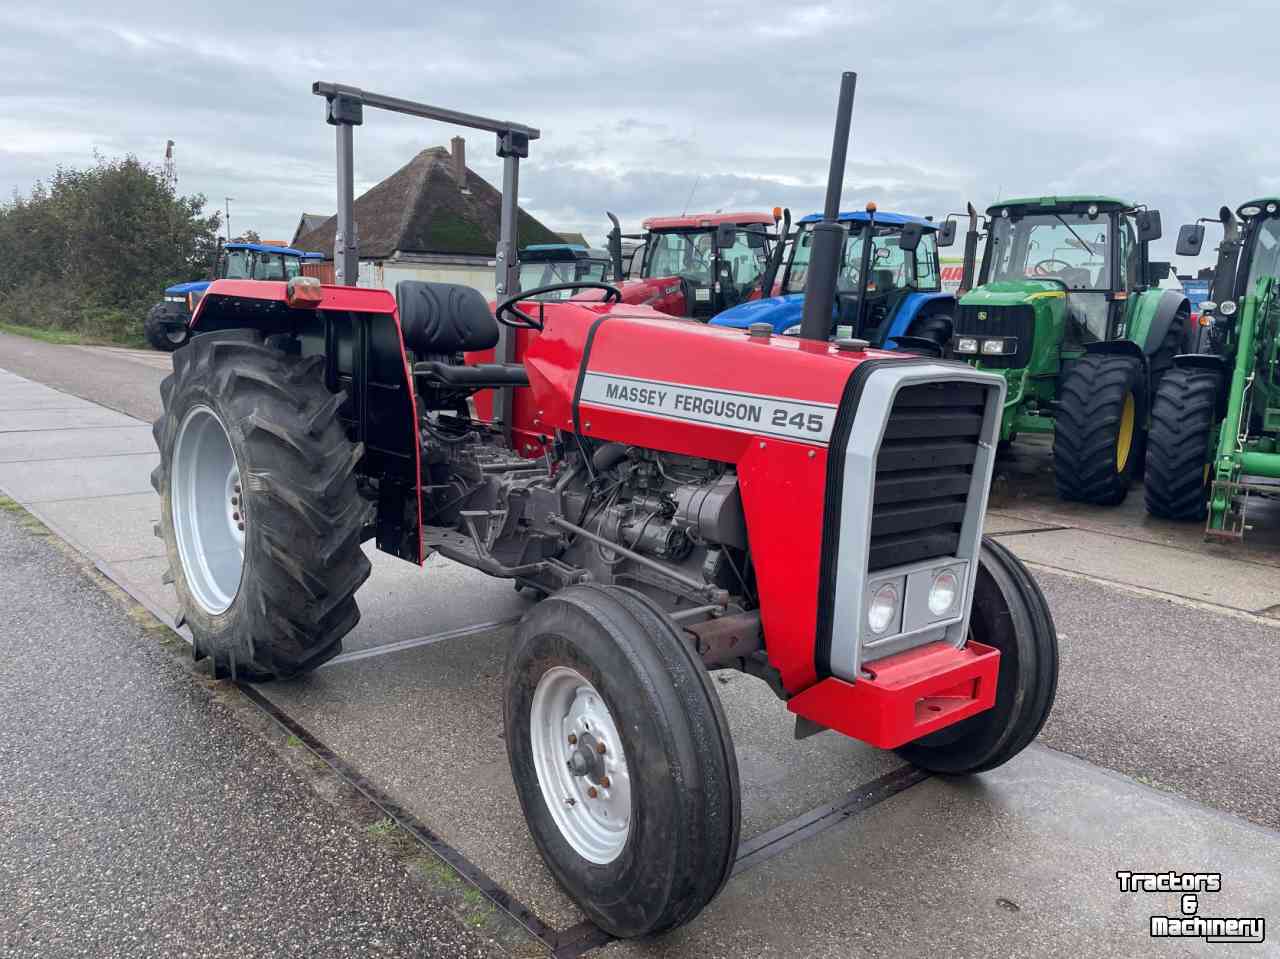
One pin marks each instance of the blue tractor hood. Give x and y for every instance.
(182, 289)
(780, 312)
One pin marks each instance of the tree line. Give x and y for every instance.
(90, 250)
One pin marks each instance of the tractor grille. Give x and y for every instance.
(1016, 321)
(923, 472)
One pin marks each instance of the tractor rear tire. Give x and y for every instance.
(162, 337)
(1098, 436)
(622, 759)
(1011, 614)
(1184, 424)
(250, 437)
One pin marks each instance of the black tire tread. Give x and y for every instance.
(1184, 417)
(305, 516)
(1090, 404)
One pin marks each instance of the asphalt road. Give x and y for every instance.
(124, 380)
(139, 817)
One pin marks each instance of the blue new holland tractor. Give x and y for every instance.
(167, 323)
(889, 284)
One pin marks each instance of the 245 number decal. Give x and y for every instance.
(811, 422)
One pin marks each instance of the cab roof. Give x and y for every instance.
(694, 221)
(268, 248)
(1030, 202)
(544, 252)
(861, 216)
(1260, 202)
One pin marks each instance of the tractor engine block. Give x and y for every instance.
(604, 513)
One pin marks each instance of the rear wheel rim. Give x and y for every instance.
(1124, 437)
(206, 508)
(176, 336)
(580, 765)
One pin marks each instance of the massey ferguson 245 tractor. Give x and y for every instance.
(807, 512)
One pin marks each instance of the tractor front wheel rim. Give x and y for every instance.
(207, 510)
(580, 764)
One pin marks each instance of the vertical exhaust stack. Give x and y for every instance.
(615, 246)
(970, 252)
(828, 238)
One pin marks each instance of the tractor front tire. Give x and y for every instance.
(163, 336)
(260, 516)
(1009, 613)
(622, 759)
(1098, 436)
(1184, 425)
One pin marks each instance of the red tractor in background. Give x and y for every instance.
(700, 264)
(806, 512)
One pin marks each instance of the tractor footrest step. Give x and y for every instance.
(906, 695)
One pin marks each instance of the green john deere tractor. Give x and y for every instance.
(1067, 308)
(1215, 434)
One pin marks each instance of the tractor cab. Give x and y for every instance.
(888, 283)
(550, 264)
(698, 265)
(1078, 258)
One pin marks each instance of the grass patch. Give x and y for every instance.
(69, 337)
(382, 828)
(23, 517)
(296, 743)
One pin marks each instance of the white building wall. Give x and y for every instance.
(390, 273)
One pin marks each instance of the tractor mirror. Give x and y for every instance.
(1148, 225)
(1190, 239)
(726, 236)
(910, 239)
(755, 239)
(947, 233)
(1157, 270)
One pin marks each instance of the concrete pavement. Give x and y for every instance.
(1169, 671)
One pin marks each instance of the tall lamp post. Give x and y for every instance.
(227, 200)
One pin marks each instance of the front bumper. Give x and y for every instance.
(907, 695)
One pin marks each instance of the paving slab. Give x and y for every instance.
(62, 444)
(403, 601)
(1227, 582)
(1017, 862)
(117, 531)
(80, 478)
(18, 399)
(15, 421)
(426, 726)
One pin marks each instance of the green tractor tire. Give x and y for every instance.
(1184, 424)
(1098, 436)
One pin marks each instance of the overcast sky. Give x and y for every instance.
(1167, 103)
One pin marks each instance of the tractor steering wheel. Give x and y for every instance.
(1042, 268)
(521, 321)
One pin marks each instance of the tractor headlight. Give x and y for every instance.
(997, 347)
(1271, 208)
(1093, 211)
(883, 608)
(175, 299)
(1227, 307)
(793, 330)
(943, 593)
(967, 344)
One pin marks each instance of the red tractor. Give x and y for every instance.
(700, 264)
(809, 513)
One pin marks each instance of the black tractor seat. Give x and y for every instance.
(479, 376)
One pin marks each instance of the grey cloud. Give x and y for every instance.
(1160, 102)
